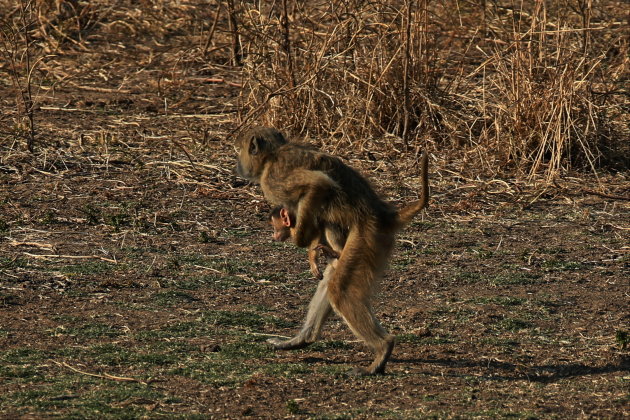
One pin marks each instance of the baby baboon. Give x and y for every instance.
(282, 221)
(357, 223)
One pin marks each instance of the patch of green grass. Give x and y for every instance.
(119, 220)
(500, 414)
(423, 340)
(466, 277)
(172, 298)
(561, 265)
(22, 365)
(50, 218)
(24, 371)
(481, 253)
(335, 370)
(82, 397)
(146, 355)
(229, 367)
(328, 345)
(88, 330)
(184, 329)
(514, 279)
(433, 249)
(245, 350)
(335, 416)
(22, 355)
(228, 322)
(215, 281)
(513, 324)
(238, 232)
(506, 343)
(499, 300)
(13, 263)
(89, 267)
(293, 407)
(9, 299)
(288, 369)
(245, 319)
(455, 313)
(622, 337)
(220, 264)
(92, 214)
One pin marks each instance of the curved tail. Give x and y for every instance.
(408, 212)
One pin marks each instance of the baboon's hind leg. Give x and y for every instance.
(350, 290)
(363, 323)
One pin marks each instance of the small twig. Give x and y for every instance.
(236, 40)
(220, 80)
(212, 29)
(612, 196)
(99, 89)
(36, 244)
(187, 154)
(56, 108)
(73, 257)
(96, 375)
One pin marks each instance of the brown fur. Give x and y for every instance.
(357, 223)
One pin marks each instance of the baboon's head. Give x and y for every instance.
(282, 222)
(254, 148)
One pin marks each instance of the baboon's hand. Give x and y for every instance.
(327, 251)
(316, 272)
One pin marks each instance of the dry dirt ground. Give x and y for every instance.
(133, 283)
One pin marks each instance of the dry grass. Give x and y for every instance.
(520, 89)
(528, 87)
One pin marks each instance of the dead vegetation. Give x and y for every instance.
(526, 89)
(529, 88)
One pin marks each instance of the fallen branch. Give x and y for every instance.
(97, 375)
(220, 80)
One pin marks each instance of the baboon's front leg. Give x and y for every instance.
(316, 189)
(318, 311)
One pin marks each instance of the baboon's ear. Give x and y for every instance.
(285, 217)
(257, 144)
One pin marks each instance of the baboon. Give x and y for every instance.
(282, 222)
(324, 193)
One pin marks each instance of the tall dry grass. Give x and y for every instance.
(530, 87)
(521, 87)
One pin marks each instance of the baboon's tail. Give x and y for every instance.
(408, 212)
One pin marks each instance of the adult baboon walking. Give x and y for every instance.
(324, 193)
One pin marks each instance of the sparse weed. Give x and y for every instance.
(89, 268)
(514, 278)
(172, 298)
(623, 338)
(293, 407)
(513, 324)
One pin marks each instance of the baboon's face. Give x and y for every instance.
(254, 148)
(281, 231)
(249, 162)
